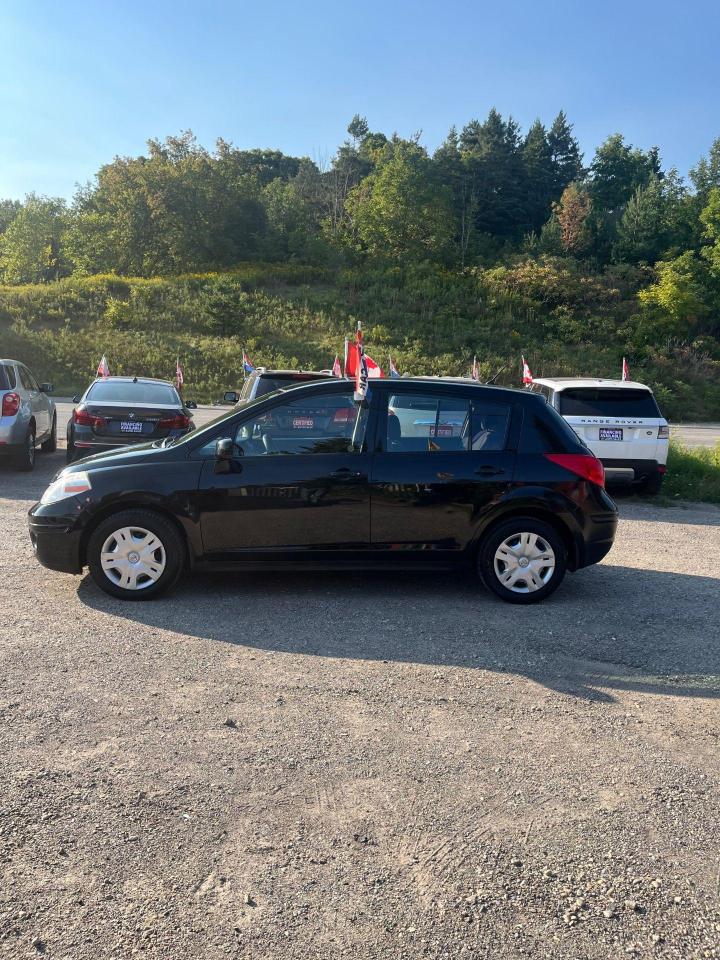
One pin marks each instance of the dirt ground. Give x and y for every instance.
(294, 766)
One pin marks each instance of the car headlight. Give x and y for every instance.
(66, 486)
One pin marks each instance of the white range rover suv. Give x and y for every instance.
(619, 420)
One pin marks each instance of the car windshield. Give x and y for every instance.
(211, 425)
(607, 402)
(127, 391)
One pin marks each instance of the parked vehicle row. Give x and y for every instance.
(423, 474)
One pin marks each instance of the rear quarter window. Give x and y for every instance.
(7, 377)
(607, 402)
(545, 431)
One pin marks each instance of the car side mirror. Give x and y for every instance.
(231, 396)
(227, 449)
(191, 405)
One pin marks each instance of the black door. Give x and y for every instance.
(443, 463)
(299, 485)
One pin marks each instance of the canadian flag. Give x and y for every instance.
(527, 376)
(179, 378)
(103, 369)
(352, 351)
(625, 370)
(336, 368)
(474, 374)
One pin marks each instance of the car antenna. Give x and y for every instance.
(493, 379)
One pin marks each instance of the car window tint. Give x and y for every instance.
(110, 391)
(25, 378)
(317, 424)
(547, 433)
(490, 422)
(607, 402)
(427, 423)
(7, 377)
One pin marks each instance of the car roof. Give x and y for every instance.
(402, 384)
(166, 383)
(562, 383)
(266, 372)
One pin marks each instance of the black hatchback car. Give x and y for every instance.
(422, 474)
(118, 411)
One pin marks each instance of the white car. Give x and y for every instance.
(619, 420)
(27, 415)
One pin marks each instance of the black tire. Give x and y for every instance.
(490, 572)
(25, 457)
(70, 453)
(50, 445)
(653, 485)
(171, 552)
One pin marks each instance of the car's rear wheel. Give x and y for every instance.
(25, 458)
(522, 560)
(136, 554)
(50, 445)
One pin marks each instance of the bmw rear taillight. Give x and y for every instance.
(10, 404)
(179, 422)
(84, 419)
(583, 465)
(664, 432)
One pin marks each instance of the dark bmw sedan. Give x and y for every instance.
(118, 411)
(423, 474)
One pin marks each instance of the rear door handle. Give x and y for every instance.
(345, 473)
(489, 471)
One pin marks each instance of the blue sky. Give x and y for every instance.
(81, 82)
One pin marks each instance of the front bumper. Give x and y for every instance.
(56, 542)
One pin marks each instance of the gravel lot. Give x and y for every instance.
(365, 766)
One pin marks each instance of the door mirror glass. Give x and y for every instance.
(230, 396)
(227, 449)
(46, 388)
(76, 399)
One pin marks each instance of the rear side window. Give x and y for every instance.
(545, 431)
(490, 422)
(26, 379)
(607, 402)
(110, 391)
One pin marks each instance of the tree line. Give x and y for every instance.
(490, 194)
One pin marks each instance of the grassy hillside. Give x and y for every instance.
(432, 321)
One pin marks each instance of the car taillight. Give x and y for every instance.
(85, 419)
(10, 404)
(584, 465)
(178, 422)
(664, 433)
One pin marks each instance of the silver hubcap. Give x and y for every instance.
(133, 558)
(524, 562)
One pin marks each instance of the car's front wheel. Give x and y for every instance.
(136, 554)
(522, 560)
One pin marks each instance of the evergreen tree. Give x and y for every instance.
(565, 154)
(538, 177)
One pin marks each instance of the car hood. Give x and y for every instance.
(125, 457)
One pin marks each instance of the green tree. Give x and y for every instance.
(31, 248)
(618, 170)
(399, 210)
(565, 154)
(9, 209)
(539, 177)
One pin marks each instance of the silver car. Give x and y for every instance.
(27, 415)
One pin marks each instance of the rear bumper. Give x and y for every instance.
(56, 543)
(620, 471)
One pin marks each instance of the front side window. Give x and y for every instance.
(308, 425)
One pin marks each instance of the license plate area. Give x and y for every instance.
(131, 426)
(611, 433)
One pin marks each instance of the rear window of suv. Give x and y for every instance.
(271, 383)
(607, 402)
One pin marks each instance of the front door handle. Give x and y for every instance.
(345, 473)
(489, 471)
